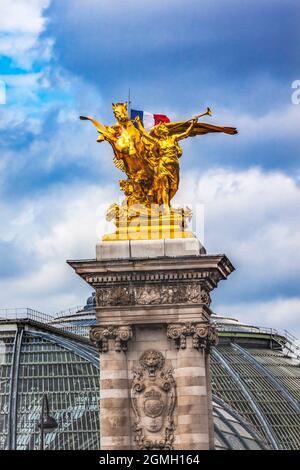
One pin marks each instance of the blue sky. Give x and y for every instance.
(60, 59)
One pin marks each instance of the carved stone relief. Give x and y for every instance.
(101, 335)
(153, 396)
(153, 294)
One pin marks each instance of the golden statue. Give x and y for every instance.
(151, 163)
(165, 152)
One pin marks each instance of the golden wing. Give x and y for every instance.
(119, 163)
(199, 129)
(100, 128)
(103, 132)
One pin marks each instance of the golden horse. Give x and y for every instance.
(128, 146)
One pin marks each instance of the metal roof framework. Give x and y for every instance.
(36, 361)
(244, 378)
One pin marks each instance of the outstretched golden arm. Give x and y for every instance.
(103, 131)
(187, 133)
(200, 128)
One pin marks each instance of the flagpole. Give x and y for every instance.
(129, 104)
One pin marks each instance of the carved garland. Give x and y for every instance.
(204, 334)
(153, 396)
(101, 335)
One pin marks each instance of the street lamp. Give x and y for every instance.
(47, 423)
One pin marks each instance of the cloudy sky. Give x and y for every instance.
(63, 58)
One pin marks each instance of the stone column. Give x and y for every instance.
(114, 385)
(154, 335)
(194, 405)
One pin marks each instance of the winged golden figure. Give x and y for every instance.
(200, 128)
(150, 161)
(165, 138)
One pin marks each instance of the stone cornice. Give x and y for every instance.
(140, 264)
(209, 269)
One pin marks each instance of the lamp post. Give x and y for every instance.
(47, 423)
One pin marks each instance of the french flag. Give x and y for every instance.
(148, 120)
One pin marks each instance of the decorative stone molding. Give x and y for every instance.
(204, 334)
(153, 396)
(206, 270)
(153, 294)
(101, 335)
(147, 276)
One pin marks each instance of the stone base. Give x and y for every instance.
(140, 222)
(149, 248)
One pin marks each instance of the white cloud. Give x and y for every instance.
(2, 92)
(22, 15)
(279, 313)
(21, 90)
(248, 212)
(24, 49)
(60, 224)
(281, 122)
(21, 24)
(278, 123)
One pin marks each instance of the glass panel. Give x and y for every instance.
(6, 360)
(72, 387)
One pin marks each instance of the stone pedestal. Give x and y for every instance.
(154, 335)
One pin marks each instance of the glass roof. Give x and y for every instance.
(256, 389)
(232, 432)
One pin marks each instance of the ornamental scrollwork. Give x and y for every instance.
(153, 396)
(120, 334)
(203, 334)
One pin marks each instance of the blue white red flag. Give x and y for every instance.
(148, 120)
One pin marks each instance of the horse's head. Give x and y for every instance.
(120, 112)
